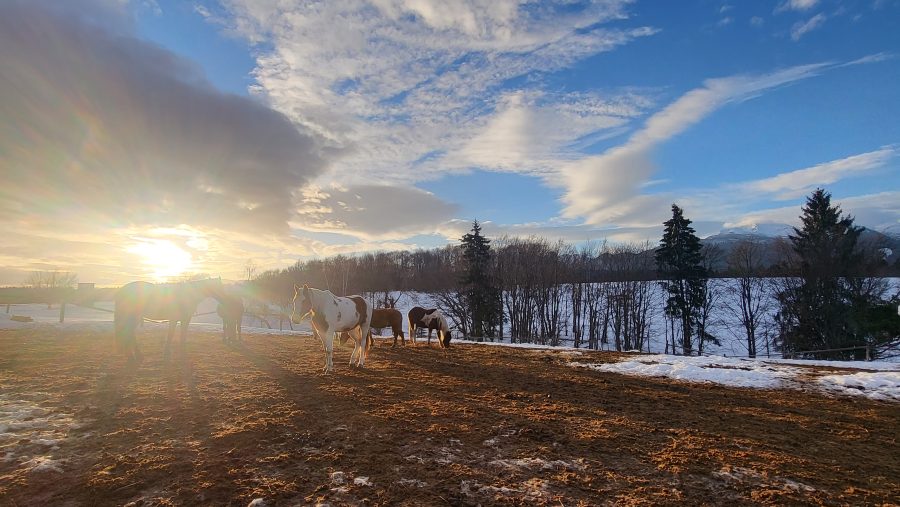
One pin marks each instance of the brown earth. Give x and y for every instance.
(222, 425)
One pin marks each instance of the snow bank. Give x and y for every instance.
(717, 370)
(882, 382)
(878, 386)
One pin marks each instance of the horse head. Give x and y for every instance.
(211, 287)
(302, 304)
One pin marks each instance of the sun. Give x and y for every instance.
(164, 257)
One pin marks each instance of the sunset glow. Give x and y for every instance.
(197, 138)
(165, 258)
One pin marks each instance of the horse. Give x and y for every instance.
(432, 320)
(332, 314)
(174, 302)
(231, 310)
(388, 317)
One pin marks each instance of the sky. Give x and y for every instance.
(151, 139)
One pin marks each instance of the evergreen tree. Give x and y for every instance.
(680, 266)
(818, 310)
(482, 294)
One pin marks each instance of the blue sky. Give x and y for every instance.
(839, 113)
(392, 123)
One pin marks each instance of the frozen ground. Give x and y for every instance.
(873, 379)
(227, 424)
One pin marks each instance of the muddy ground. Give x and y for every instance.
(223, 425)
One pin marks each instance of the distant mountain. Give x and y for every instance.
(771, 234)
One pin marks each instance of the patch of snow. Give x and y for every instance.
(258, 502)
(42, 464)
(882, 384)
(852, 365)
(877, 386)
(748, 475)
(338, 478)
(362, 481)
(412, 482)
(718, 370)
(535, 464)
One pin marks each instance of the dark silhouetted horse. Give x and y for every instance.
(431, 320)
(173, 302)
(231, 310)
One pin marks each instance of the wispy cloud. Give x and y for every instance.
(604, 188)
(391, 82)
(372, 212)
(794, 184)
(796, 5)
(802, 28)
(878, 211)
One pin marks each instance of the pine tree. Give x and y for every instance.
(679, 263)
(817, 309)
(482, 294)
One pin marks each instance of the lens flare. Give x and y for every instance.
(165, 258)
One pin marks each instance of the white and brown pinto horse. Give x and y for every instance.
(333, 314)
(431, 320)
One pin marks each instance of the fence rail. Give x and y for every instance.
(868, 349)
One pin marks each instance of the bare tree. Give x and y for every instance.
(750, 300)
(51, 282)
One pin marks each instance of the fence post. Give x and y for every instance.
(62, 311)
(868, 352)
(7, 307)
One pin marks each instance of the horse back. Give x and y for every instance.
(418, 313)
(386, 317)
(157, 302)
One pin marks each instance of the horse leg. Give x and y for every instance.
(167, 350)
(356, 341)
(328, 342)
(429, 336)
(184, 327)
(363, 331)
(412, 332)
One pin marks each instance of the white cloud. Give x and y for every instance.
(372, 212)
(802, 28)
(796, 5)
(393, 81)
(794, 184)
(532, 133)
(603, 188)
(877, 211)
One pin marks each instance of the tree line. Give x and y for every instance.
(820, 294)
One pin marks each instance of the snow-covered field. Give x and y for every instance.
(873, 379)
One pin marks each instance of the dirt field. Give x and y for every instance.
(223, 425)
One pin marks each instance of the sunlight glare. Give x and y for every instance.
(165, 258)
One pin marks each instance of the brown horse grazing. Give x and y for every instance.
(231, 310)
(431, 320)
(174, 302)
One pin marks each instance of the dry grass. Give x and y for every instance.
(221, 425)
